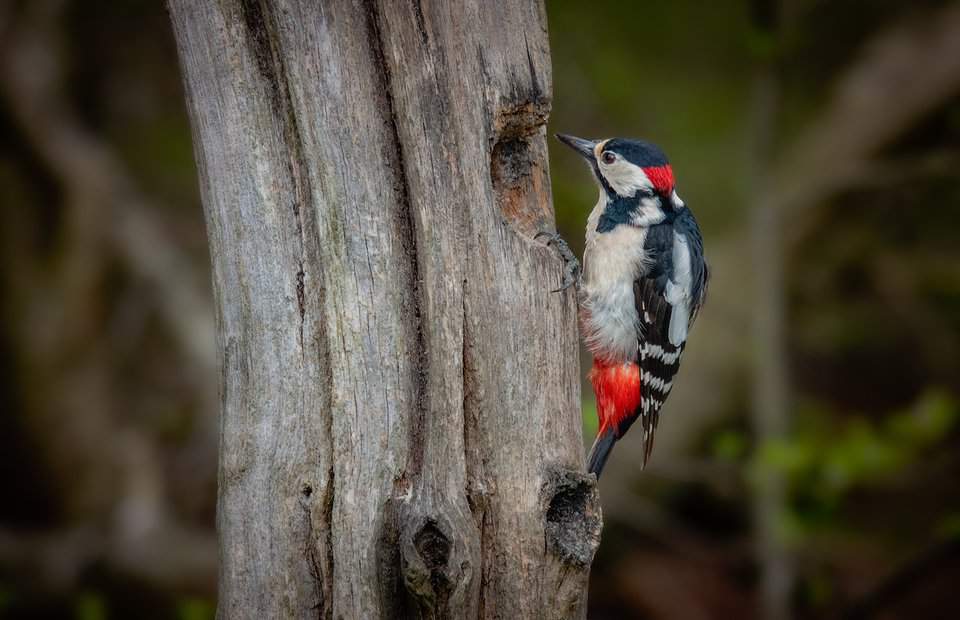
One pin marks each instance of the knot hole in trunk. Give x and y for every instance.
(572, 516)
(431, 574)
(518, 166)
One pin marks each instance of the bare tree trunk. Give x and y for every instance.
(400, 432)
(770, 406)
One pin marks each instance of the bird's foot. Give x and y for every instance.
(571, 266)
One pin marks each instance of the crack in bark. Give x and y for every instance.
(421, 23)
(263, 37)
(375, 33)
(537, 93)
(477, 489)
(429, 534)
(310, 551)
(300, 300)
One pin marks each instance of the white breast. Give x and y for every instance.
(610, 266)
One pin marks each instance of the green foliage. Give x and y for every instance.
(588, 411)
(949, 526)
(762, 44)
(196, 609)
(90, 606)
(824, 460)
(729, 445)
(7, 597)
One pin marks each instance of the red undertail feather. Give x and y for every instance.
(617, 388)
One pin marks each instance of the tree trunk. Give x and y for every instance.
(770, 410)
(400, 431)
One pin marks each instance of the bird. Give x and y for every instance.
(641, 286)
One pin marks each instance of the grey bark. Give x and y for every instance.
(400, 431)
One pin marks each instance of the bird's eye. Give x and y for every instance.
(609, 157)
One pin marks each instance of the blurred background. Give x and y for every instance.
(807, 465)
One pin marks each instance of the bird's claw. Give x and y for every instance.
(571, 266)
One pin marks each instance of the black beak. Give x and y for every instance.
(584, 147)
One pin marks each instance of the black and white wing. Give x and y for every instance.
(668, 298)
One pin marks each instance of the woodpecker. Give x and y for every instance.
(644, 280)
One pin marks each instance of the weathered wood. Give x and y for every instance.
(400, 432)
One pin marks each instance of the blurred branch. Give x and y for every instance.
(167, 559)
(899, 286)
(879, 98)
(770, 409)
(96, 179)
(883, 173)
(110, 473)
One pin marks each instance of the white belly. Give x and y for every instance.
(611, 263)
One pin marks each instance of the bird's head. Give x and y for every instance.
(630, 171)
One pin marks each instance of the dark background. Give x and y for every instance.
(814, 430)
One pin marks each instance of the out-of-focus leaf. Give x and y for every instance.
(729, 445)
(196, 609)
(90, 606)
(588, 410)
(7, 597)
(949, 526)
(823, 461)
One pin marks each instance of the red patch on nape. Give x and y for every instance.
(617, 388)
(661, 177)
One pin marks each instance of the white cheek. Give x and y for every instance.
(625, 178)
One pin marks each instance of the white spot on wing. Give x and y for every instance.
(678, 291)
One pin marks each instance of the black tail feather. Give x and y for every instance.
(600, 451)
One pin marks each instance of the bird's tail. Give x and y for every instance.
(600, 451)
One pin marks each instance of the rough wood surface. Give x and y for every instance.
(400, 431)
